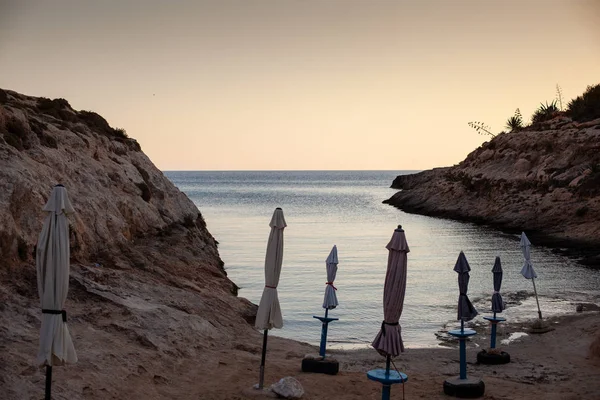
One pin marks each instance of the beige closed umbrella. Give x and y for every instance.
(52, 264)
(268, 315)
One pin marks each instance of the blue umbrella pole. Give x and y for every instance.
(324, 335)
(261, 379)
(48, 383)
(463, 352)
(385, 393)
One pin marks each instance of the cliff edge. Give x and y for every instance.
(544, 180)
(149, 296)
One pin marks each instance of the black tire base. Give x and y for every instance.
(464, 388)
(483, 357)
(329, 367)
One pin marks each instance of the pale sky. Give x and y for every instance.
(301, 84)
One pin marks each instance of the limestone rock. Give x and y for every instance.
(288, 388)
(147, 284)
(546, 182)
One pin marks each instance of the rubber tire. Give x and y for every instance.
(467, 391)
(319, 366)
(483, 357)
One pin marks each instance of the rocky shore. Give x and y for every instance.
(544, 180)
(148, 290)
(151, 310)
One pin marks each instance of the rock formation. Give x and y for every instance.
(544, 180)
(148, 293)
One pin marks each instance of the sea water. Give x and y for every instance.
(344, 208)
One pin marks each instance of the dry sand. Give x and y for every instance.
(554, 365)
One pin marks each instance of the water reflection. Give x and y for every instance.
(344, 208)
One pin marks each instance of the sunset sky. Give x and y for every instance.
(301, 84)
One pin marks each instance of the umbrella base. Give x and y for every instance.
(540, 326)
(464, 388)
(256, 393)
(321, 365)
(493, 357)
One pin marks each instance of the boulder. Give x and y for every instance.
(288, 388)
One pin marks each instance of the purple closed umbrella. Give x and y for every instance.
(466, 311)
(497, 303)
(389, 340)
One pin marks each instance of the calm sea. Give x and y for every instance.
(323, 208)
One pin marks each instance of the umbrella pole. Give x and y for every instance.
(463, 352)
(385, 393)
(493, 339)
(261, 379)
(48, 382)
(536, 297)
(324, 335)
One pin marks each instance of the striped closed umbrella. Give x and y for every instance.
(330, 300)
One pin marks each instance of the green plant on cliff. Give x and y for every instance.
(587, 106)
(515, 123)
(120, 132)
(545, 112)
(481, 128)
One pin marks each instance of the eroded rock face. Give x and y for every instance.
(147, 284)
(545, 181)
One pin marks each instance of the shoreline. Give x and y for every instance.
(553, 365)
(482, 327)
(586, 253)
(554, 308)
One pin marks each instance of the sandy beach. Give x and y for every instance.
(554, 365)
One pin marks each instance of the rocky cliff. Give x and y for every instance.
(544, 180)
(149, 296)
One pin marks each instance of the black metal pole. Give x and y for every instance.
(48, 382)
(387, 365)
(261, 379)
(387, 388)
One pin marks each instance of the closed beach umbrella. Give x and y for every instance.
(466, 311)
(497, 303)
(330, 300)
(527, 270)
(52, 264)
(388, 341)
(269, 312)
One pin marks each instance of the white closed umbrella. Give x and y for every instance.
(268, 315)
(330, 300)
(527, 270)
(52, 264)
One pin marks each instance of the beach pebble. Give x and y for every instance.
(288, 388)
